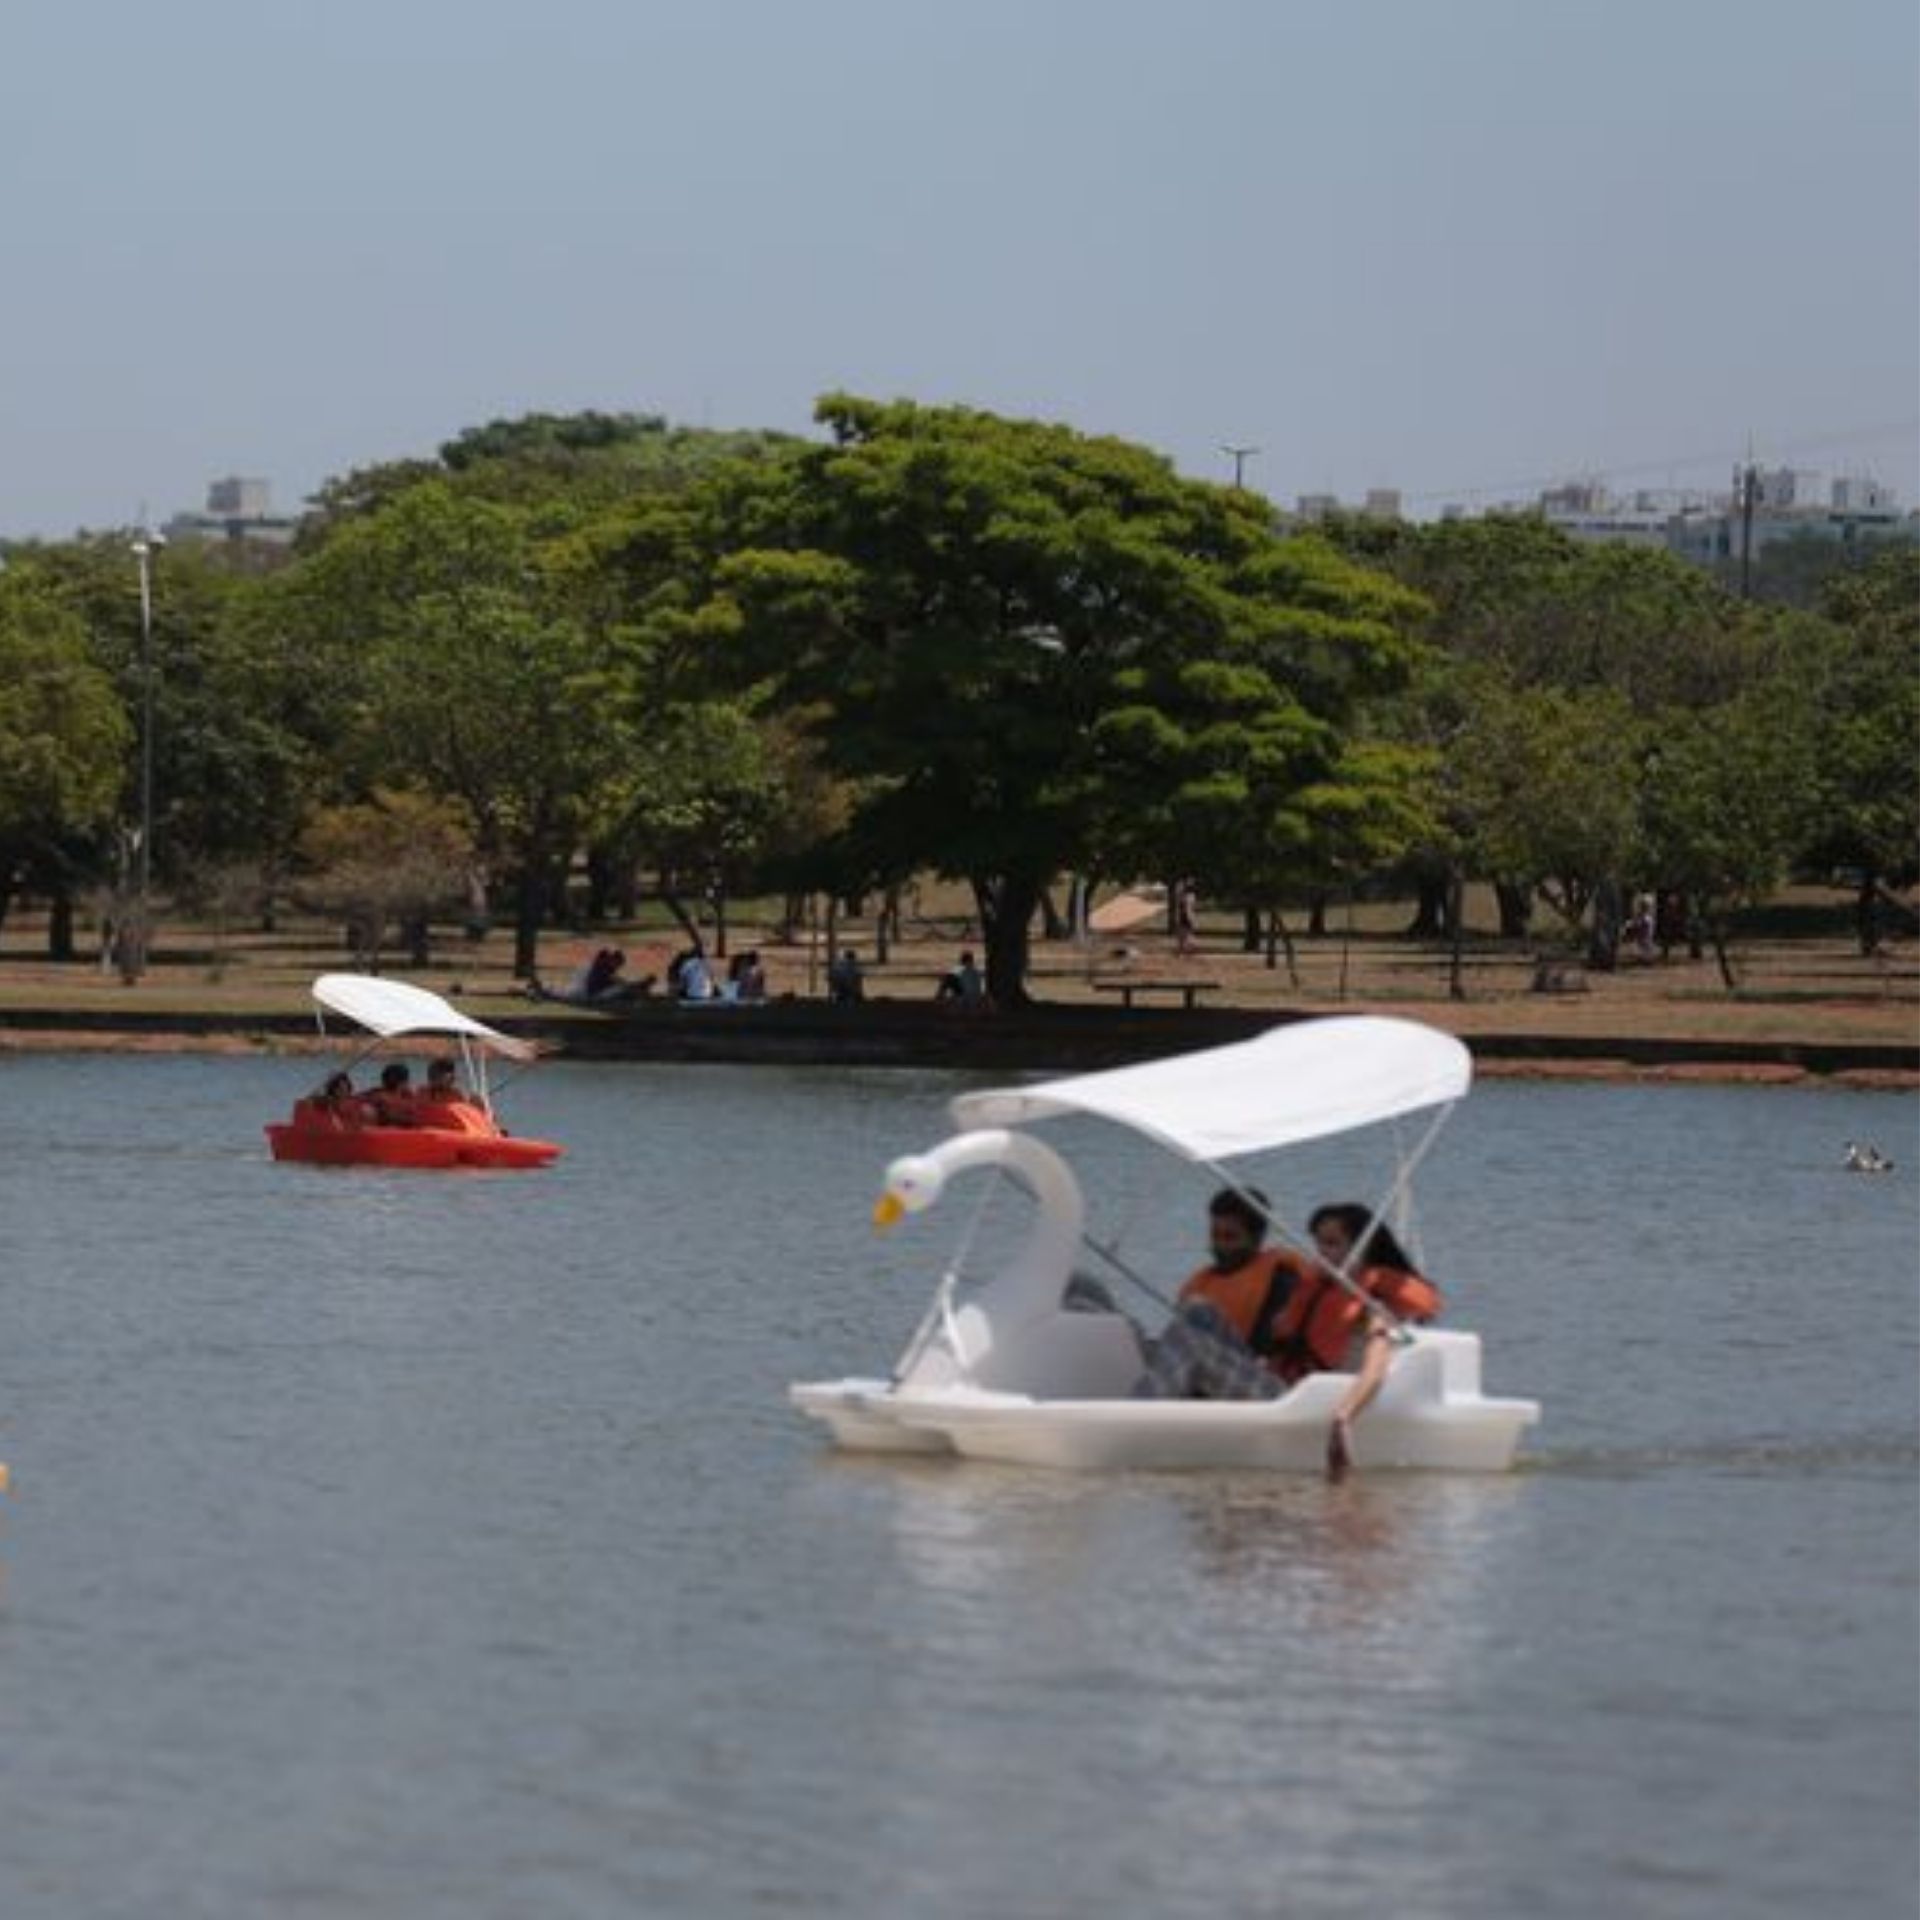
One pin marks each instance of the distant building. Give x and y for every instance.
(239, 512)
(1861, 493)
(1380, 503)
(1711, 530)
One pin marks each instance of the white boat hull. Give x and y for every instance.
(1430, 1414)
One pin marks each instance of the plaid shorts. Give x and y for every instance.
(1200, 1357)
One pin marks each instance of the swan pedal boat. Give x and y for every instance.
(1011, 1373)
(445, 1135)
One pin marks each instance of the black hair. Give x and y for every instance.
(1231, 1204)
(1373, 1240)
(395, 1074)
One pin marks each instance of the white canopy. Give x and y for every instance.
(1298, 1082)
(389, 1007)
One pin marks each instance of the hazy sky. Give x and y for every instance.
(1444, 245)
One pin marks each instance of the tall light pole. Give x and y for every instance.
(1239, 456)
(134, 962)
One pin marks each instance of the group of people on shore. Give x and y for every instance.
(962, 985)
(690, 976)
(394, 1101)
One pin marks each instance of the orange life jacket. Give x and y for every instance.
(1315, 1330)
(1251, 1297)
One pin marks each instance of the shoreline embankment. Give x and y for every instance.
(901, 1034)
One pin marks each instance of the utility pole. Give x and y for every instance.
(1239, 456)
(134, 958)
(1749, 486)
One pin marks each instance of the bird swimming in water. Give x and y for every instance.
(1867, 1159)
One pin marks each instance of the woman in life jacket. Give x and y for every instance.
(1325, 1328)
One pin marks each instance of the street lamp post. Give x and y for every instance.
(1239, 456)
(134, 958)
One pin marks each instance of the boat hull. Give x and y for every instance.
(424, 1148)
(1430, 1415)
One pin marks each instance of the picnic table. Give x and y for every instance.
(1188, 990)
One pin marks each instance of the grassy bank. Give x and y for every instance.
(1802, 987)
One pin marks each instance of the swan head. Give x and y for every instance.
(913, 1184)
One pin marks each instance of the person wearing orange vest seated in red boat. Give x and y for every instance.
(443, 1086)
(390, 1104)
(336, 1102)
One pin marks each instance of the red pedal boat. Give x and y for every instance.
(441, 1127)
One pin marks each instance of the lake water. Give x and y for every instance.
(428, 1546)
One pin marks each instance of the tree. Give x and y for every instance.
(63, 733)
(1862, 680)
(1029, 650)
(473, 677)
(1725, 798)
(399, 856)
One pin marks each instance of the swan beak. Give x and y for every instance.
(887, 1211)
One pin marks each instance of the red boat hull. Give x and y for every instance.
(444, 1139)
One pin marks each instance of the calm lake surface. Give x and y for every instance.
(416, 1545)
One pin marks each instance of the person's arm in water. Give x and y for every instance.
(1374, 1361)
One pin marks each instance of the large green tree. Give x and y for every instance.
(1862, 681)
(1029, 650)
(64, 733)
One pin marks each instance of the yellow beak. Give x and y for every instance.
(887, 1211)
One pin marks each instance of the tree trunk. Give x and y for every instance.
(529, 909)
(1717, 933)
(600, 870)
(1516, 908)
(719, 899)
(1007, 905)
(418, 934)
(1603, 937)
(1251, 935)
(1429, 920)
(1866, 914)
(60, 947)
(670, 899)
(1456, 928)
(1053, 925)
(1278, 934)
(886, 926)
(1317, 914)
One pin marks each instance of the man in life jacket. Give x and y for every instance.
(391, 1102)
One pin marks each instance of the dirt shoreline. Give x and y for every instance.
(811, 1035)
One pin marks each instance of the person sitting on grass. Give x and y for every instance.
(846, 983)
(963, 984)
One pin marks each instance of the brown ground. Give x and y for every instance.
(1802, 990)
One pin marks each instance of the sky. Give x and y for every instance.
(1464, 248)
